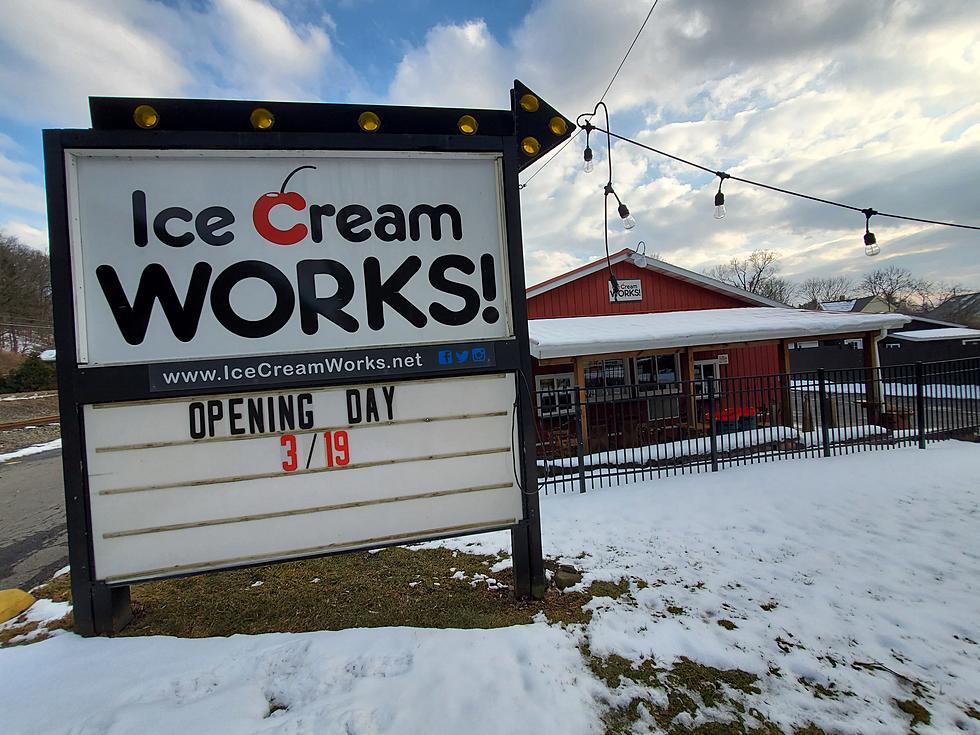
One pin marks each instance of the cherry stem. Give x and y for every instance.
(282, 190)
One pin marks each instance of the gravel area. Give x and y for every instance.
(11, 441)
(18, 406)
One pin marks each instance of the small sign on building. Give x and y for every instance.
(630, 289)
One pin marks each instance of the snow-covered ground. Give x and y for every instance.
(857, 574)
(908, 390)
(35, 449)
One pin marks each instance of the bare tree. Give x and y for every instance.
(831, 288)
(940, 293)
(25, 296)
(758, 274)
(896, 286)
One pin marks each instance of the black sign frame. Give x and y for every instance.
(100, 608)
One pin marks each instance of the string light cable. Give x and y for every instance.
(624, 213)
(612, 79)
(870, 242)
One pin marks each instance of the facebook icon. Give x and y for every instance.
(445, 357)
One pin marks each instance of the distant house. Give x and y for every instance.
(863, 305)
(922, 339)
(963, 309)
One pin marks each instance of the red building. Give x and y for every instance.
(649, 349)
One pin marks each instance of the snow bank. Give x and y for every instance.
(820, 563)
(698, 446)
(386, 680)
(36, 449)
(846, 434)
(939, 391)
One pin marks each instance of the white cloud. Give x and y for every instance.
(457, 66)
(16, 189)
(56, 53)
(32, 236)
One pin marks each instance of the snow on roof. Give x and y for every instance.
(934, 335)
(838, 306)
(594, 335)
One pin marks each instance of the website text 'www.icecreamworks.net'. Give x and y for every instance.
(301, 368)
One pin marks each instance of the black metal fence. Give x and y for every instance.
(606, 435)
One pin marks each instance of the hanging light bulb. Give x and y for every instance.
(589, 165)
(720, 211)
(624, 213)
(871, 248)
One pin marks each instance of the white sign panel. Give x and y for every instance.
(630, 289)
(199, 254)
(190, 484)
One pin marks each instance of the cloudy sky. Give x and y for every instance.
(873, 102)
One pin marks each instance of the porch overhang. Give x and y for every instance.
(570, 337)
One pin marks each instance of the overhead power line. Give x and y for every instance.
(603, 97)
(627, 54)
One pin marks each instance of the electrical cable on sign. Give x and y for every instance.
(601, 99)
(537, 433)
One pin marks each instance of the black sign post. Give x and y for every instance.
(519, 136)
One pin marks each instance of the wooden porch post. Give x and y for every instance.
(688, 368)
(579, 364)
(872, 382)
(785, 392)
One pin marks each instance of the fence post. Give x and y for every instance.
(579, 443)
(824, 411)
(712, 423)
(920, 404)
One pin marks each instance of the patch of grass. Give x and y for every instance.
(57, 589)
(688, 686)
(916, 711)
(769, 606)
(614, 669)
(351, 590)
(727, 624)
(972, 713)
(819, 690)
(7, 634)
(614, 590)
(675, 610)
(707, 681)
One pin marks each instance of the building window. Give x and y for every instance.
(606, 379)
(704, 369)
(892, 345)
(658, 374)
(556, 394)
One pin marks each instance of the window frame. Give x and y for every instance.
(701, 384)
(559, 409)
(606, 392)
(658, 388)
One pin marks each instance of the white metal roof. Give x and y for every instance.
(838, 306)
(935, 335)
(595, 335)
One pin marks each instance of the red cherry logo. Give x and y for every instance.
(265, 203)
